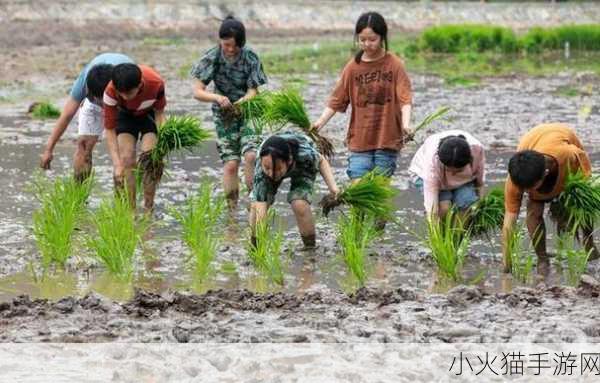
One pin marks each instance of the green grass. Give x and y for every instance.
(62, 209)
(266, 253)
(354, 234)
(580, 200)
(372, 194)
(468, 37)
(448, 242)
(579, 37)
(487, 214)
(575, 258)
(200, 218)
(45, 110)
(461, 81)
(521, 257)
(116, 235)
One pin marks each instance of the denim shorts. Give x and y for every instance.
(461, 197)
(360, 163)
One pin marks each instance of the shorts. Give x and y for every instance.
(462, 197)
(360, 163)
(137, 126)
(91, 120)
(234, 139)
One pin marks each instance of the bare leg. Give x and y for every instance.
(306, 222)
(537, 233)
(150, 183)
(82, 160)
(126, 144)
(230, 182)
(249, 164)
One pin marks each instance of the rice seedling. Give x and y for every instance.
(431, 118)
(487, 214)
(468, 37)
(521, 258)
(354, 234)
(252, 111)
(62, 209)
(44, 110)
(200, 221)
(116, 235)
(287, 107)
(372, 195)
(176, 134)
(448, 241)
(580, 200)
(575, 258)
(265, 250)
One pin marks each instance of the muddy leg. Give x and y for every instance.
(230, 183)
(126, 144)
(537, 232)
(152, 173)
(82, 160)
(249, 164)
(306, 222)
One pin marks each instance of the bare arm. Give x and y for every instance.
(249, 94)
(66, 115)
(406, 115)
(201, 94)
(509, 222)
(113, 151)
(160, 117)
(324, 119)
(327, 174)
(258, 212)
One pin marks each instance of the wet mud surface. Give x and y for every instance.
(402, 301)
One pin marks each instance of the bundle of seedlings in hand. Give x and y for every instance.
(265, 248)
(354, 236)
(521, 259)
(44, 110)
(116, 235)
(176, 134)
(287, 107)
(252, 110)
(576, 259)
(200, 220)
(580, 200)
(487, 215)
(448, 242)
(63, 206)
(372, 194)
(428, 120)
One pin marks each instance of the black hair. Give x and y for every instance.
(279, 148)
(377, 23)
(126, 77)
(526, 168)
(97, 79)
(455, 151)
(233, 28)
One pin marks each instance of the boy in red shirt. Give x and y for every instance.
(134, 103)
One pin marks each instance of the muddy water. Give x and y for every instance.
(401, 301)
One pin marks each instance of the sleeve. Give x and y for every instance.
(579, 160)
(262, 190)
(161, 99)
(78, 90)
(403, 87)
(340, 97)
(512, 196)
(256, 76)
(110, 102)
(204, 69)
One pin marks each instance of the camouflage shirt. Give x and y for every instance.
(302, 173)
(232, 78)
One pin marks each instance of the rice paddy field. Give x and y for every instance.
(399, 296)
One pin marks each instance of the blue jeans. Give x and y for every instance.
(360, 163)
(461, 197)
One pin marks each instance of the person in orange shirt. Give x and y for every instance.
(539, 168)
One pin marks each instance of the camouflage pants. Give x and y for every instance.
(234, 138)
(301, 188)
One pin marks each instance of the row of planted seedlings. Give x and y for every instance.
(577, 207)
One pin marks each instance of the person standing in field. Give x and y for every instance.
(544, 157)
(376, 86)
(134, 104)
(85, 97)
(236, 72)
(449, 168)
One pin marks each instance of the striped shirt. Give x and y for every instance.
(150, 97)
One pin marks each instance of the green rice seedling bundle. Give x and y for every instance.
(354, 235)
(117, 234)
(200, 219)
(372, 194)
(521, 258)
(487, 214)
(62, 208)
(448, 242)
(265, 252)
(44, 110)
(580, 200)
(252, 110)
(176, 134)
(468, 38)
(576, 259)
(287, 107)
